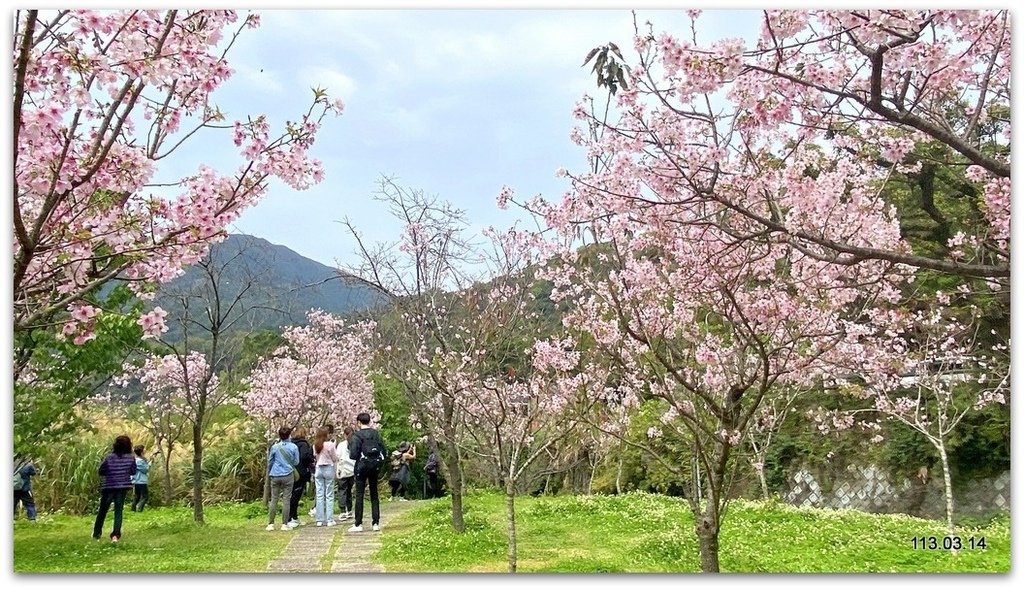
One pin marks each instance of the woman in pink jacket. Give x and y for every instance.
(326, 465)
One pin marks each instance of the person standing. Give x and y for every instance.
(369, 452)
(401, 471)
(140, 480)
(305, 469)
(281, 465)
(432, 469)
(24, 495)
(346, 477)
(326, 461)
(117, 470)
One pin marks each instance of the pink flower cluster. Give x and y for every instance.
(105, 97)
(321, 375)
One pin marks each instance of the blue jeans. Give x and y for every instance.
(324, 480)
(108, 497)
(25, 497)
(141, 495)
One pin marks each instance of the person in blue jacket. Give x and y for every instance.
(282, 466)
(24, 495)
(140, 479)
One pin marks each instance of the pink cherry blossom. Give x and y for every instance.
(102, 97)
(321, 375)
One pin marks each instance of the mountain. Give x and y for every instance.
(273, 284)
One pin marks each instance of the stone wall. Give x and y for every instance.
(870, 489)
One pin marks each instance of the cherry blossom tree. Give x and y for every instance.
(931, 378)
(738, 201)
(99, 99)
(516, 420)
(209, 315)
(172, 389)
(867, 86)
(427, 336)
(320, 375)
(460, 320)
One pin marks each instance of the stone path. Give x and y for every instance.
(310, 545)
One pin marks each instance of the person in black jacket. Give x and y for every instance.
(368, 450)
(305, 468)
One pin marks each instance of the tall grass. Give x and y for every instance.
(234, 467)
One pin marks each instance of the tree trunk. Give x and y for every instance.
(455, 486)
(947, 488)
(761, 479)
(510, 515)
(590, 482)
(618, 476)
(197, 473)
(707, 535)
(168, 497)
(266, 480)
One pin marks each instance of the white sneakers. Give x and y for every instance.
(294, 523)
(331, 523)
(288, 527)
(270, 527)
(356, 529)
(319, 523)
(376, 527)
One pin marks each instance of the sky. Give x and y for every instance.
(456, 103)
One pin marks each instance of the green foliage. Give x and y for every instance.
(66, 374)
(640, 470)
(982, 445)
(69, 477)
(163, 540)
(234, 468)
(640, 532)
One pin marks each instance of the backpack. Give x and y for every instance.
(19, 482)
(431, 466)
(371, 452)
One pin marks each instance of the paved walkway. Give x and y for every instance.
(310, 545)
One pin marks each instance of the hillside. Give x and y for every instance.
(280, 285)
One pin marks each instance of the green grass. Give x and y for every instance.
(652, 533)
(629, 533)
(160, 540)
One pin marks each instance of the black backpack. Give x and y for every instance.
(431, 466)
(371, 450)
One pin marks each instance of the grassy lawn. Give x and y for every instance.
(630, 533)
(155, 541)
(649, 533)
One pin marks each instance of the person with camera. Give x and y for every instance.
(401, 472)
